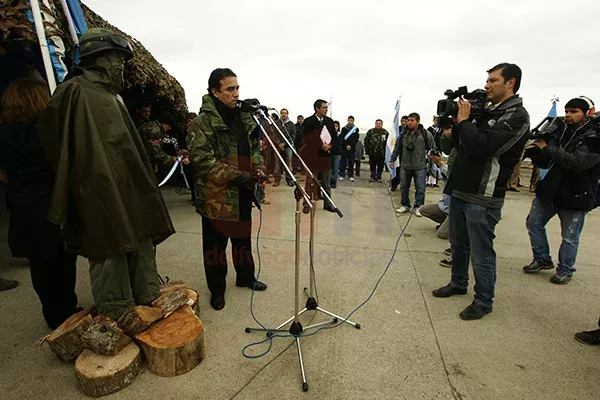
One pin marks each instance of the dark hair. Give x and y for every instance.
(284, 109)
(337, 122)
(192, 115)
(415, 116)
(214, 81)
(509, 71)
(300, 116)
(23, 101)
(404, 117)
(350, 116)
(318, 104)
(378, 119)
(167, 119)
(146, 105)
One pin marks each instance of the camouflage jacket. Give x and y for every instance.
(153, 135)
(375, 142)
(213, 152)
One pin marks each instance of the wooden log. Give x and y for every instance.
(66, 341)
(99, 375)
(105, 337)
(171, 301)
(193, 300)
(167, 287)
(174, 345)
(138, 319)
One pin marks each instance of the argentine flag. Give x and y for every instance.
(391, 141)
(552, 114)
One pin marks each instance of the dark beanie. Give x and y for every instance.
(167, 119)
(578, 103)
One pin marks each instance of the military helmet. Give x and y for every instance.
(97, 40)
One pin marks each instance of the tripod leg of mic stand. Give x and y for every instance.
(357, 326)
(304, 382)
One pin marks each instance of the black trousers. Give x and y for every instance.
(215, 236)
(376, 164)
(53, 274)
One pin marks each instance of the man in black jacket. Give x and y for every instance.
(488, 149)
(349, 138)
(568, 189)
(316, 151)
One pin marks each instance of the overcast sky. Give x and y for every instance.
(365, 54)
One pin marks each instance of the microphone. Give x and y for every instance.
(252, 106)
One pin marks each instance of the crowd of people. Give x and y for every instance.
(96, 194)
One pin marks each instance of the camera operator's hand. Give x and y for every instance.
(281, 146)
(464, 111)
(540, 144)
(186, 161)
(448, 133)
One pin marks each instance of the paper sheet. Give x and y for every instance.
(325, 136)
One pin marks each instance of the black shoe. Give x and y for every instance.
(329, 208)
(448, 252)
(511, 189)
(7, 284)
(256, 285)
(448, 291)
(306, 209)
(475, 311)
(589, 337)
(446, 262)
(290, 183)
(333, 186)
(217, 302)
(538, 265)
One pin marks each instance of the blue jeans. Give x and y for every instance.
(347, 163)
(420, 176)
(335, 167)
(471, 234)
(287, 156)
(571, 225)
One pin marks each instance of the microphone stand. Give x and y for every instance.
(296, 329)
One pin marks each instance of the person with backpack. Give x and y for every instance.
(412, 148)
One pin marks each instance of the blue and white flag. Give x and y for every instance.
(553, 113)
(391, 141)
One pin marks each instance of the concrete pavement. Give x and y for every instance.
(411, 345)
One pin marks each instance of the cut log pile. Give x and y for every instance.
(109, 354)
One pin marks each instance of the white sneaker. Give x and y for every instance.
(351, 179)
(418, 213)
(340, 179)
(402, 210)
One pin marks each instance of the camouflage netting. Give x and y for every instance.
(142, 72)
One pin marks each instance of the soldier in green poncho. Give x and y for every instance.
(105, 196)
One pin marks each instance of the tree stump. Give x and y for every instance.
(105, 337)
(99, 375)
(138, 319)
(167, 287)
(171, 301)
(66, 341)
(193, 300)
(174, 345)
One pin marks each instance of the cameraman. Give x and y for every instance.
(488, 149)
(568, 189)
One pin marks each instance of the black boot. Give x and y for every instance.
(475, 311)
(217, 302)
(448, 291)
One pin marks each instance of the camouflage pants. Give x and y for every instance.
(126, 280)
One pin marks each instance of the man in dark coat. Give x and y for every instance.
(316, 152)
(105, 195)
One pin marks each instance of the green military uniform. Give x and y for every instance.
(223, 147)
(213, 149)
(375, 142)
(152, 135)
(105, 196)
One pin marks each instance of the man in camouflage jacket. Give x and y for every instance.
(153, 134)
(223, 147)
(375, 143)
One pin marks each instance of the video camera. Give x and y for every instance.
(448, 108)
(547, 130)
